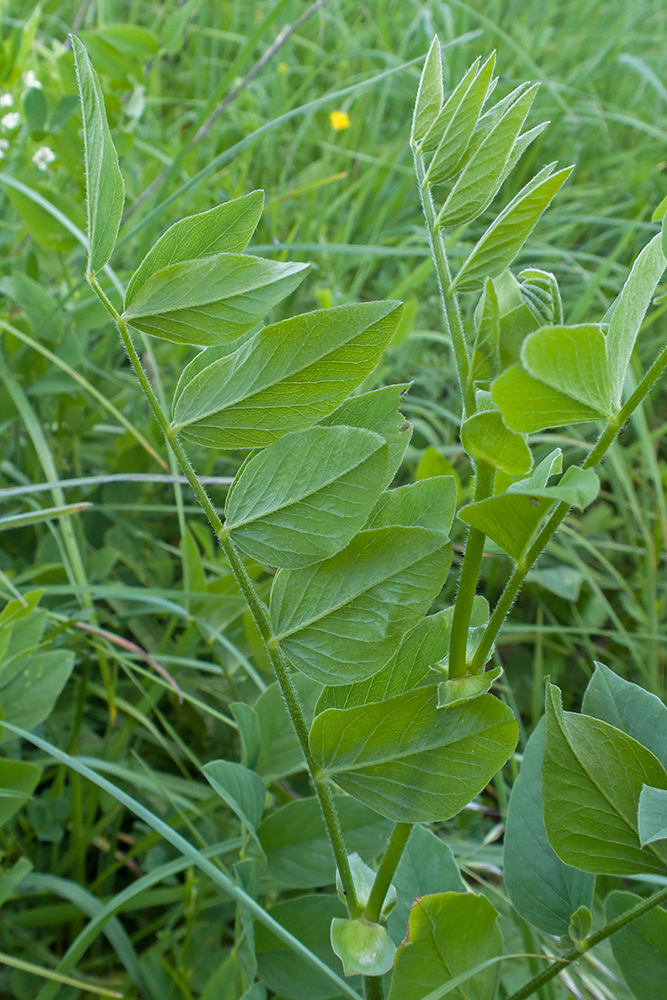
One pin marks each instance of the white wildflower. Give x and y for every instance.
(43, 157)
(10, 121)
(30, 80)
(6, 100)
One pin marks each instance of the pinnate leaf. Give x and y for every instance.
(410, 760)
(593, 776)
(227, 228)
(343, 619)
(211, 300)
(285, 377)
(302, 499)
(105, 192)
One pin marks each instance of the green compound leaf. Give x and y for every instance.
(505, 237)
(241, 789)
(542, 889)
(424, 646)
(211, 300)
(640, 948)
(483, 174)
(628, 707)
(449, 933)
(629, 311)
(285, 377)
(362, 947)
(343, 619)
(429, 94)
(652, 815)
(105, 192)
(457, 133)
(410, 760)
(378, 411)
(227, 228)
(593, 776)
(428, 503)
(486, 438)
(304, 498)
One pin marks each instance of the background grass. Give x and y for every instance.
(345, 202)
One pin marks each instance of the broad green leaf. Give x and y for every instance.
(629, 311)
(362, 947)
(343, 619)
(363, 877)
(30, 686)
(429, 94)
(515, 325)
(308, 918)
(297, 848)
(303, 499)
(285, 377)
(241, 789)
(427, 865)
(18, 780)
(528, 405)
(424, 646)
(378, 411)
(507, 234)
(458, 131)
(628, 707)
(105, 192)
(457, 689)
(542, 889)
(280, 753)
(480, 179)
(486, 438)
(449, 933)
(593, 776)
(429, 503)
(562, 580)
(541, 294)
(652, 815)
(410, 760)
(227, 228)
(640, 948)
(431, 140)
(572, 360)
(210, 300)
(486, 349)
(248, 722)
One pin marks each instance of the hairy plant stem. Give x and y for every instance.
(450, 305)
(385, 872)
(255, 606)
(547, 532)
(571, 956)
(468, 579)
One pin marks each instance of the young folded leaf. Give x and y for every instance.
(507, 234)
(593, 776)
(458, 132)
(478, 184)
(541, 294)
(429, 94)
(410, 760)
(105, 191)
(486, 438)
(343, 619)
(455, 690)
(227, 228)
(304, 498)
(448, 934)
(211, 300)
(363, 948)
(431, 140)
(285, 377)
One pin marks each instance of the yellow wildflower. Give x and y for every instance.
(282, 68)
(339, 120)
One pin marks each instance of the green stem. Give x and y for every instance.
(468, 580)
(255, 606)
(450, 306)
(571, 956)
(602, 445)
(373, 988)
(385, 872)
